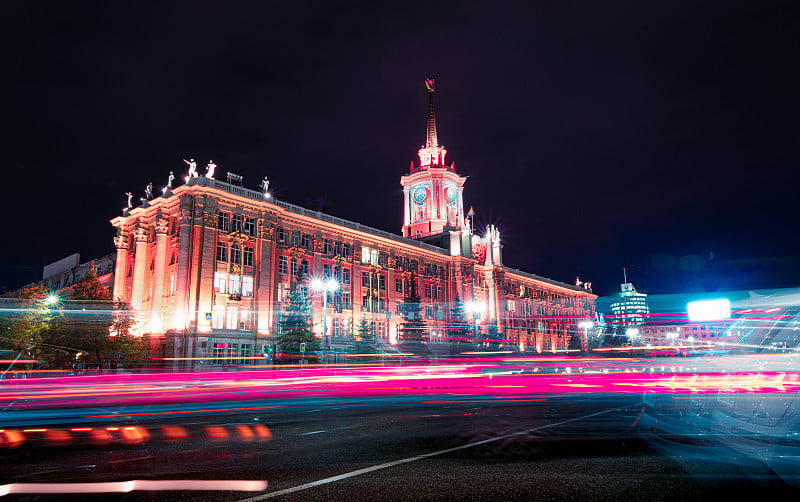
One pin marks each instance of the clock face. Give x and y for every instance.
(420, 194)
(451, 195)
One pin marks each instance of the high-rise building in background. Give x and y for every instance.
(629, 308)
(207, 266)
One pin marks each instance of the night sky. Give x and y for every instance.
(657, 136)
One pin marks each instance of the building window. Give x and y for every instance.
(247, 286)
(346, 300)
(281, 236)
(235, 255)
(336, 331)
(234, 284)
(250, 226)
(283, 266)
(295, 238)
(337, 274)
(218, 353)
(237, 222)
(383, 257)
(294, 267)
(345, 276)
(347, 250)
(382, 282)
(244, 320)
(328, 246)
(337, 248)
(222, 251)
(326, 271)
(248, 256)
(224, 221)
(245, 354)
(306, 242)
(398, 285)
(427, 290)
(218, 317)
(364, 280)
(232, 318)
(219, 282)
(304, 268)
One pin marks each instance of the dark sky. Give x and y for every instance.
(657, 136)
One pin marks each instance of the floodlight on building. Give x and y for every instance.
(709, 310)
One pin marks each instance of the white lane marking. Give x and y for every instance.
(418, 457)
(136, 484)
(309, 433)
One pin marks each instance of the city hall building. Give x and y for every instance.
(207, 265)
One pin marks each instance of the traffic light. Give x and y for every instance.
(303, 347)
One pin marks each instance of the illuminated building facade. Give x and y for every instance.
(630, 308)
(207, 266)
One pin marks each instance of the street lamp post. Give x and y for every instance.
(585, 326)
(632, 334)
(325, 286)
(474, 308)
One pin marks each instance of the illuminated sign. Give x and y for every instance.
(709, 310)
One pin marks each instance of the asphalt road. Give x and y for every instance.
(538, 448)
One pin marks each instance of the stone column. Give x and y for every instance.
(182, 279)
(139, 267)
(159, 270)
(120, 292)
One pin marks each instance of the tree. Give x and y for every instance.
(98, 327)
(295, 325)
(459, 330)
(26, 322)
(493, 335)
(365, 343)
(413, 327)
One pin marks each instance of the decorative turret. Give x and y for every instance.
(432, 190)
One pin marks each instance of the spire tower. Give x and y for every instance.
(432, 190)
(433, 141)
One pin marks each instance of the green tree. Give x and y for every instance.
(493, 335)
(413, 327)
(97, 326)
(26, 322)
(295, 325)
(459, 329)
(365, 343)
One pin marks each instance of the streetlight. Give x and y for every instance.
(632, 333)
(672, 337)
(585, 326)
(475, 309)
(325, 286)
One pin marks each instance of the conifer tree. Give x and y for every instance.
(413, 327)
(295, 325)
(366, 337)
(459, 330)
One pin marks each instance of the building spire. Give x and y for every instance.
(432, 139)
